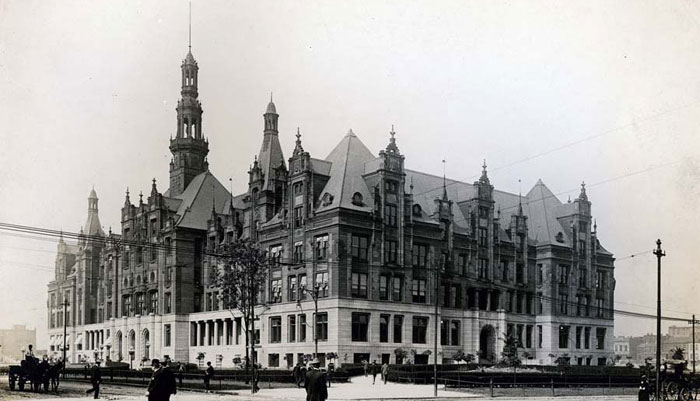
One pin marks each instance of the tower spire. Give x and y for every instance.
(189, 36)
(444, 180)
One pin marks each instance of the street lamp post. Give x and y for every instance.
(659, 254)
(65, 328)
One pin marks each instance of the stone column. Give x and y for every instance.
(488, 300)
(215, 323)
(206, 333)
(225, 331)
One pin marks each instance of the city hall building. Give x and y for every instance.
(363, 249)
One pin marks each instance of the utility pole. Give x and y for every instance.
(65, 322)
(437, 328)
(693, 323)
(659, 254)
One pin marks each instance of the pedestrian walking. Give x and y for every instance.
(296, 373)
(365, 366)
(95, 380)
(331, 370)
(375, 369)
(315, 383)
(162, 384)
(385, 372)
(208, 374)
(180, 373)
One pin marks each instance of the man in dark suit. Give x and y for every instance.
(315, 383)
(95, 380)
(162, 383)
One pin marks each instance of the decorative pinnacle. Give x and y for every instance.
(189, 37)
(392, 133)
(298, 134)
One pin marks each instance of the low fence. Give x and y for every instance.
(222, 380)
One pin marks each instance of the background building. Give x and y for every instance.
(359, 231)
(16, 340)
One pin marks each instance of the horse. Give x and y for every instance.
(54, 375)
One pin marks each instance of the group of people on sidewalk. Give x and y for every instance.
(373, 368)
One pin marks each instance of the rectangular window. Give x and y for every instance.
(273, 360)
(528, 336)
(298, 217)
(539, 336)
(564, 304)
(483, 268)
(483, 237)
(276, 291)
(322, 247)
(504, 271)
(302, 328)
(540, 274)
(384, 288)
(299, 252)
(166, 335)
(564, 274)
(390, 215)
(302, 287)
(322, 326)
(360, 325)
(564, 336)
(579, 331)
(359, 247)
(292, 288)
(540, 306)
(384, 328)
(390, 251)
(275, 329)
(520, 273)
(420, 255)
(587, 338)
(582, 248)
(398, 328)
(420, 329)
(292, 328)
(600, 337)
(462, 264)
(396, 289)
(275, 254)
(456, 296)
(359, 285)
(168, 303)
(454, 332)
(444, 336)
(600, 279)
(419, 291)
(391, 187)
(600, 309)
(322, 284)
(582, 282)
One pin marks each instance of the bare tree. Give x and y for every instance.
(241, 274)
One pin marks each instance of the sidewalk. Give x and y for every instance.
(361, 388)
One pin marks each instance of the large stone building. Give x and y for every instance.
(360, 230)
(15, 342)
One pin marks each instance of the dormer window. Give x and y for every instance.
(417, 210)
(560, 237)
(357, 199)
(391, 187)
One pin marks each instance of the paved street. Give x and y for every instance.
(361, 388)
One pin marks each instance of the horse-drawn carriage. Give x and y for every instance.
(675, 383)
(36, 373)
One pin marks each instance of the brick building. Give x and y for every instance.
(363, 231)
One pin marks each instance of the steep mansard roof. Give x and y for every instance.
(193, 206)
(347, 167)
(351, 159)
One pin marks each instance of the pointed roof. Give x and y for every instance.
(92, 225)
(347, 160)
(271, 108)
(196, 201)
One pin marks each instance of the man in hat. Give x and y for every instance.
(208, 374)
(315, 382)
(95, 379)
(162, 383)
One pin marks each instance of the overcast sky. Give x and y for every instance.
(596, 91)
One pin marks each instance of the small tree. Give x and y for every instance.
(678, 354)
(200, 358)
(241, 274)
(562, 361)
(401, 355)
(458, 356)
(509, 355)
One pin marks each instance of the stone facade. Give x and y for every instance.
(373, 238)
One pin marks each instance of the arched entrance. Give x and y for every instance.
(487, 344)
(145, 345)
(120, 350)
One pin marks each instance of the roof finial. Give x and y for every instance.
(270, 96)
(189, 37)
(444, 180)
(411, 186)
(298, 134)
